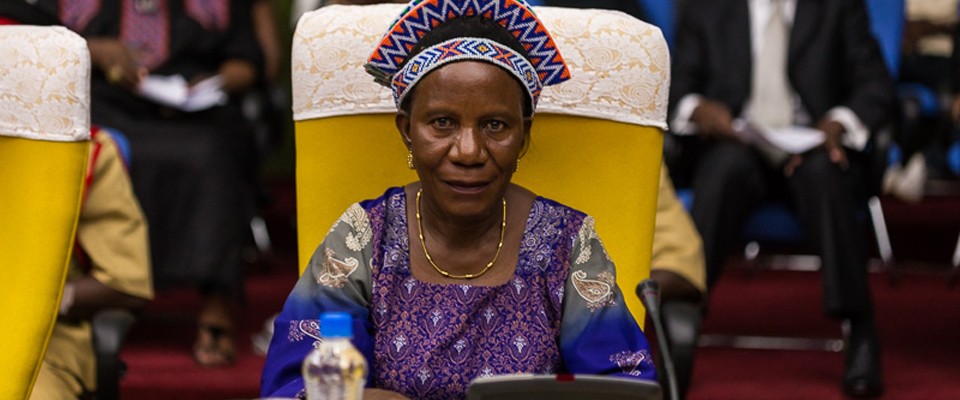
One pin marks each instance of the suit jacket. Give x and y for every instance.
(833, 60)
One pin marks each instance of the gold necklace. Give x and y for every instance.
(503, 228)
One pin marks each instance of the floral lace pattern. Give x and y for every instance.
(45, 85)
(433, 339)
(620, 66)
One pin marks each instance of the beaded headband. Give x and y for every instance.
(389, 66)
(467, 48)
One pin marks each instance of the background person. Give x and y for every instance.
(192, 161)
(776, 64)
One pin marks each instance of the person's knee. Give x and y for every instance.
(55, 384)
(817, 166)
(724, 165)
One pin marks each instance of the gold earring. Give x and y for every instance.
(516, 167)
(410, 159)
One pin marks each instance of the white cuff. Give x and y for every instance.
(857, 134)
(681, 124)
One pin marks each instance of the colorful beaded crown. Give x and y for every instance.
(390, 67)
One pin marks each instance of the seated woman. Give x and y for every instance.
(463, 274)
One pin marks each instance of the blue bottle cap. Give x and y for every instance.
(336, 325)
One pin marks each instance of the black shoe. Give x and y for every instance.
(862, 377)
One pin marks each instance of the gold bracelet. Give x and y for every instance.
(115, 74)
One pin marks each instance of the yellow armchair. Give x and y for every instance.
(44, 134)
(596, 142)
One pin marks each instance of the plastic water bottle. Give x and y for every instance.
(335, 370)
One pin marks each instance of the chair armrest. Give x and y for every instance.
(110, 328)
(918, 100)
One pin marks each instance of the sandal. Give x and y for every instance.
(214, 347)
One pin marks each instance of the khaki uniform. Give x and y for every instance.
(677, 246)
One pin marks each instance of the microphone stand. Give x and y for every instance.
(649, 293)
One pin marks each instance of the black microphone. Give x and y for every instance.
(649, 293)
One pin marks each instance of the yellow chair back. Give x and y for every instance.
(44, 139)
(596, 141)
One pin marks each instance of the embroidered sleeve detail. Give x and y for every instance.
(597, 292)
(631, 361)
(586, 235)
(333, 272)
(302, 329)
(360, 230)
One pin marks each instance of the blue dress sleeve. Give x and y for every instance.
(336, 279)
(598, 335)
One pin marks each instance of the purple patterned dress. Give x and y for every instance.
(560, 313)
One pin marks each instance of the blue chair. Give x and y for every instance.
(660, 13)
(886, 21)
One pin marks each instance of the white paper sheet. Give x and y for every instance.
(173, 91)
(791, 139)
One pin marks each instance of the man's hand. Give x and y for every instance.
(118, 63)
(833, 132)
(713, 119)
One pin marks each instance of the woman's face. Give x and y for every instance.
(465, 127)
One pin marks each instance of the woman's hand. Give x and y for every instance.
(118, 63)
(380, 394)
(238, 75)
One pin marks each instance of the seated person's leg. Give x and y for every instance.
(192, 176)
(728, 184)
(826, 197)
(220, 222)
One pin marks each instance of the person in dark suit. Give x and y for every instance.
(771, 65)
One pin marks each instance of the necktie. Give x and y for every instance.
(770, 97)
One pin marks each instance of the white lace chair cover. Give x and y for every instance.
(624, 75)
(44, 84)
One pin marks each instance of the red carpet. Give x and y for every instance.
(918, 320)
(158, 356)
